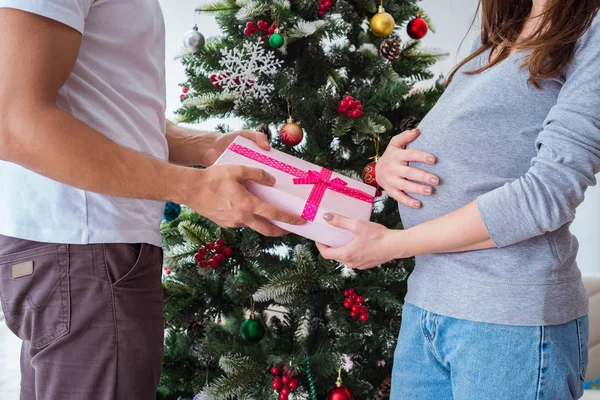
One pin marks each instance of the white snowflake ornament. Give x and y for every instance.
(243, 69)
(200, 396)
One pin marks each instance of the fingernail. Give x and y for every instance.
(328, 217)
(434, 181)
(431, 160)
(416, 204)
(272, 180)
(428, 190)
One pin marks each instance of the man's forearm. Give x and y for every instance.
(54, 144)
(187, 146)
(460, 230)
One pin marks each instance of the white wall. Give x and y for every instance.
(451, 20)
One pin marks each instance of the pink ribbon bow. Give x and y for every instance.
(322, 181)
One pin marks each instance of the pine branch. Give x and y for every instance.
(219, 6)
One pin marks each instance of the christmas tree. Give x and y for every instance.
(251, 317)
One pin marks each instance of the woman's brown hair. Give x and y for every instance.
(552, 44)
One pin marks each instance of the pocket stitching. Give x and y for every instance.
(581, 350)
(138, 261)
(23, 255)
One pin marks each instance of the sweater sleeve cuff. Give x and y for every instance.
(507, 221)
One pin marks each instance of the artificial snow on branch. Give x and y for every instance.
(207, 100)
(368, 49)
(304, 29)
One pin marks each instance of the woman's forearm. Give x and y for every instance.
(460, 230)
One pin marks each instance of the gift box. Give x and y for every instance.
(304, 189)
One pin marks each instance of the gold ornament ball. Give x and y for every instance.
(382, 24)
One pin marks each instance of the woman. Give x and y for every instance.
(496, 308)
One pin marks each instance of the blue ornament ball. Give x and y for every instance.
(172, 211)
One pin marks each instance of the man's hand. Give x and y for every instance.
(219, 193)
(372, 245)
(223, 141)
(395, 176)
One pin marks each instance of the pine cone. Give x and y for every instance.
(390, 49)
(409, 123)
(264, 128)
(385, 389)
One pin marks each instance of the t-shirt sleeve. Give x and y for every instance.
(567, 159)
(69, 12)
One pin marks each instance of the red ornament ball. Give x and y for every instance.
(291, 134)
(369, 175)
(417, 28)
(339, 393)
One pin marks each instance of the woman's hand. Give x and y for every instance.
(395, 176)
(373, 244)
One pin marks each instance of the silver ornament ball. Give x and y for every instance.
(193, 40)
(441, 81)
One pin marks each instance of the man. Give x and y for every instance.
(88, 161)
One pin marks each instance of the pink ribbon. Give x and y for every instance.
(322, 181)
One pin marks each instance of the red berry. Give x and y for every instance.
(328, 4)
(227, 251)
(218, 248)
(354, 314)
(285, 390)
(182, 97)
(275, 371)
(220, 242)
(351, 291)
(272, 28)
(321, 14)
(213, 263)
(283, 396)
(285, 379)
(202, 251)
(248, 32)
(199, 257)
(356, 309)
(210, 245)
(261, 38)
(364, 317)
(203, 263)
(362, 309)
(293, 384)
(360, 300)
(359, 107)
(220, 257)
(341, 110)
(322, 7)
(168, 271)
(185, 90)
(277, 385)
(288, 373)
(350, 114)
(347, 304)
(348, 98)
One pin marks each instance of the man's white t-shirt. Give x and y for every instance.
(118, 88)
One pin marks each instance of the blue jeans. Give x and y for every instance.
(443, 358)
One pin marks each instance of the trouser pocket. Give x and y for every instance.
(35, 293)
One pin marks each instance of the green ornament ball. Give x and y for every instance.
(276, 40)
(252, 331)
